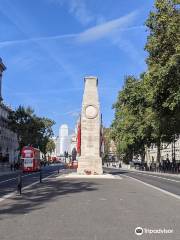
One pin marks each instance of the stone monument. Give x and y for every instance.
(90, 161)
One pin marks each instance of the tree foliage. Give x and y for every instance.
(133, 118)
(148, 109)
(107, 141)
(163, 76)
(50, 146)
(30, 129)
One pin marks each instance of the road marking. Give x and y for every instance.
(8, 180)
(157, 177)
(7, 196)
(28, 186)
(17, 176)
(157, 188)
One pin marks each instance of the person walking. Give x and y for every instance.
(11, 166)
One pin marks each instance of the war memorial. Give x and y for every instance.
(90, 161)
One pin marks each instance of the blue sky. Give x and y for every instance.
(49, 46)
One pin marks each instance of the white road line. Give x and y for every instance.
(16, 177)
(157, 188)
(14, 193)
(172, 180)
(8, 180)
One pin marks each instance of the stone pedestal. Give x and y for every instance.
(90, 161)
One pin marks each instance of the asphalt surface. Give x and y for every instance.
(162, 181)
(8, 183)
(89, 209)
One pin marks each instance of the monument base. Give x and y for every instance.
(83, 176)
(90, 166)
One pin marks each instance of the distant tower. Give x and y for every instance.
(2, 68)
(64, 139)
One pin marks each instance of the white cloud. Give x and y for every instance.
(80, 11)
(39, 39)
(72, 113)
(25, 62)
(47, 92)
(77, 8)
(129, 48)
(107, 28)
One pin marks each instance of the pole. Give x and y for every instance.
(19, 185)
(40, 176)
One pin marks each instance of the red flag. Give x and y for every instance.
(79, 138)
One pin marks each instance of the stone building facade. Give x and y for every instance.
(168, 150)
(8, 139)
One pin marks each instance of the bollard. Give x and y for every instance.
(19, 186)
(58, 169)
(40, 176)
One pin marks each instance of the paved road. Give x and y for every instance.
(89, 209)
(162, 181)
(8, 183)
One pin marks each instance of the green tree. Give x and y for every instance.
(107, 140)
(30, 129)
(21, 121)
(131, 128)
(163, 75)
(46, 133)
(50, 146)
(148, 109)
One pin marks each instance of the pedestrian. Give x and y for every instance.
(167, 163)
(19, 186)
(11, 166)
(150, 166)
(160, 166)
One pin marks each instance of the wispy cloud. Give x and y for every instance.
(22, 61)
(78, 9)
(91, 34)
(20, 22)
(39, 39)
(105, 29)
(128, 47)
(73, 113)
(47, 91)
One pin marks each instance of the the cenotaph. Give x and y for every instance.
(90, 161)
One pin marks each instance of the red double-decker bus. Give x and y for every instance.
(30, 158)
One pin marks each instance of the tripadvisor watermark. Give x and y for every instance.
(140, 231)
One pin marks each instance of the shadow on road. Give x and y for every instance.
(36, 196)
(115, 171)
(118, 172)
